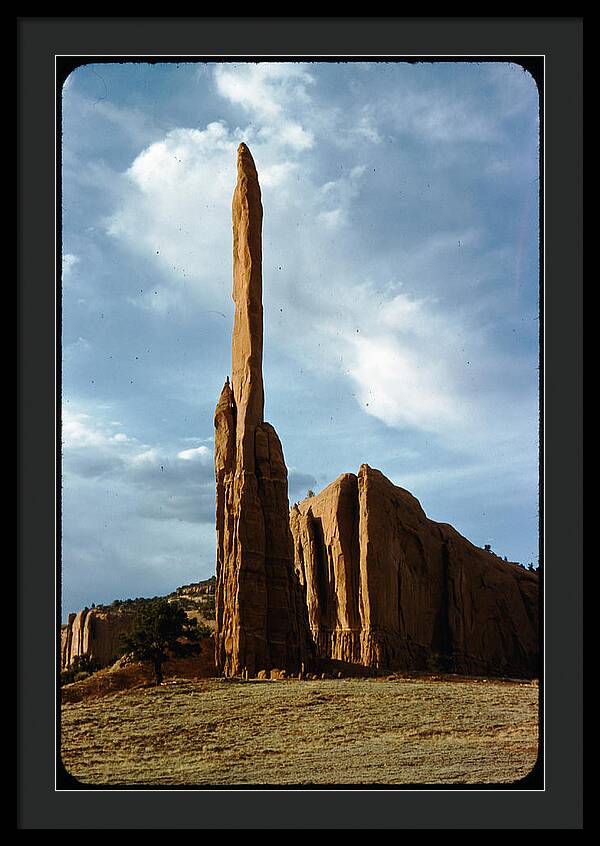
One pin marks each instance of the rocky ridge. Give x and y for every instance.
(388, 588)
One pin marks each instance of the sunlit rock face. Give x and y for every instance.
(94, 633)
(387, 588)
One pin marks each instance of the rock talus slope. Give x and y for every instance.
(388, 588)
(261, 623)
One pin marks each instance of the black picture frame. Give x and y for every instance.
(40, 40)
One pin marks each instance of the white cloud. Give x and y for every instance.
(268, 91)
(278, 174)
(172, 208)
(79, 430)
(398, 387)
(132, 122)
(200, 453)
(444, 117)
(295, 136)
(466, 108)
(250, 87)
(68, 263)
(332, 218)
(76, 350)
(82, 430)
(340, 194)
(175, 210)
(415, 365)
(148, 456)
(160, 162)
(152, 482)
(366, 128)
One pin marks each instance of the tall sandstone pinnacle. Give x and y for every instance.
(261, 618)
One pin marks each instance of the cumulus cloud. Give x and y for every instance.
(148, 457)
(172, 195)
(160, 482)
(80, 430)
(398, 387)
(174, 210)
(268, 91)
(201, 453)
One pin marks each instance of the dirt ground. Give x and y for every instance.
(331, 731)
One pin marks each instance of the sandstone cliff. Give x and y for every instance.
(95, 633)
(261, 622)
(388, 588)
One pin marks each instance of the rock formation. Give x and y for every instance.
(205, 588)
(388, 588)
(94, 633)
(261, 624)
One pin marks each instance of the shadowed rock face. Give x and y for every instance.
(261, 623)
(388, 588)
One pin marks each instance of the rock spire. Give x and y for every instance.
(261, 618)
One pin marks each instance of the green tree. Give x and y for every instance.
(161, 629)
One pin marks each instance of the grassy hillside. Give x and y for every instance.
(336, 731)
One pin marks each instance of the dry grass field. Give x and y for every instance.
(350, 731)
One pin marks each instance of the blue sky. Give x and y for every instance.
(401, 294)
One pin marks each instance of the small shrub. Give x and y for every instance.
(439, 663)
(81, 667)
